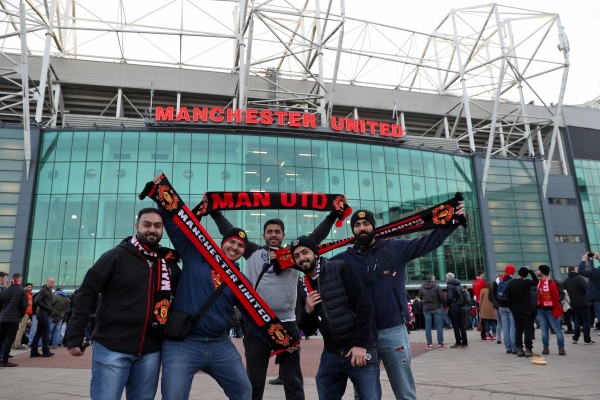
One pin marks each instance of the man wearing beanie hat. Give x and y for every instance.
(549, 310)
(279, 291)
(234, 243)
(381, 264)
(497, 296)
(518, 295)
(336, 304)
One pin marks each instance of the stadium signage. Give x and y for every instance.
(288, 119)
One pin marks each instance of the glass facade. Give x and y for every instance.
(86, 198)
(11, 170)
(588, 182)
(516, 216)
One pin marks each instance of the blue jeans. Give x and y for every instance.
(499, 326)
(546, 321)
(508, 329)
(394, 349)
(438, 318)
(112, 372)
(596, 304)
(42, 332)
(217, 357)
(55, 337)
(334, 371)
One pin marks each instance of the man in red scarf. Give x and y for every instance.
(549, 310)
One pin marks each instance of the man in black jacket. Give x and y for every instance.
(337, 305)
(13, 303)
(135, 280)
(518, 295)
(577, 286)
(43, 302)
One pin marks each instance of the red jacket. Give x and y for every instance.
(478, 284)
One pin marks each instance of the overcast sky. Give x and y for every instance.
(580, 19)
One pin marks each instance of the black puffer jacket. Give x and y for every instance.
(345, 315)
(13, 303)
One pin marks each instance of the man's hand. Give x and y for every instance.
(312, 300)
(293, 349)
(75, 351)
(272, 253)
(359, 356)
(460, 209)
(156, 179)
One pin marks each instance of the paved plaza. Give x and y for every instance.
(483, 371)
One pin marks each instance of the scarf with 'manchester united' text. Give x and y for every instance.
(169, 201)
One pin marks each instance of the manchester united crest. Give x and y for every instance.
(339, 203)
(161, 311)
(442, 214)
(167, 198)
(278, 334)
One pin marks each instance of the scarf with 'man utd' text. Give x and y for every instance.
(158, 262)
(266, 320)
(274, 200)
(439, 216)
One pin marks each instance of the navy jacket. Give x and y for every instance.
(13, 303)
(383, 271)
(593, 292)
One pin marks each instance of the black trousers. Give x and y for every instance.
(524, 325)
(457, 316)
(258, 352)
(8, 332)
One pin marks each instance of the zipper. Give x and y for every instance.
(148, 306)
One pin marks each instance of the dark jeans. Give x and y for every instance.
(43, 331)
(524, 325)
(581, 316)
(334, 371)
(457, 316)
(8, 332)
(258, 352)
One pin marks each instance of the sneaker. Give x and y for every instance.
(464, 346)
(590, 342)
(456, 346)
(492, 337)
(569, 332)
(441, 346)
(529, 353)
(574, 341)
(562, 352)
(8, 364)
(520, 352)
(429, 347)
(485, 338)
(546, 351)
(48, 354)
(276, 381)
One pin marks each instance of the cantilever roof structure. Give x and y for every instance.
(473, 77)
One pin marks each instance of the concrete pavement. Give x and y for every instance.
(483, 371)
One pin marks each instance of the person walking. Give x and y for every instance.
(518, 294)
(577, 287)
(455, 310)
(13, 303)
(43, 301)
(433, 303)
(549, 310)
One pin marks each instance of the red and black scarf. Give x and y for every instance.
(266, 320)
(438, 216)
(157, 261)
(274, 201)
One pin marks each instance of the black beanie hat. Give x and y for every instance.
(544, 269)
(523, 272)
(306, 242)
(362, 214)
(237, 233)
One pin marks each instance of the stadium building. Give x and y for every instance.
(99, 97)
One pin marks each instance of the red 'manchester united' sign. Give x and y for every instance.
(293, 119)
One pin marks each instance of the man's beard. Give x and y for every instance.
(311, 266)
(365, 240)
(149, 243)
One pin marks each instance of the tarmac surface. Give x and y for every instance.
(483, 371)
